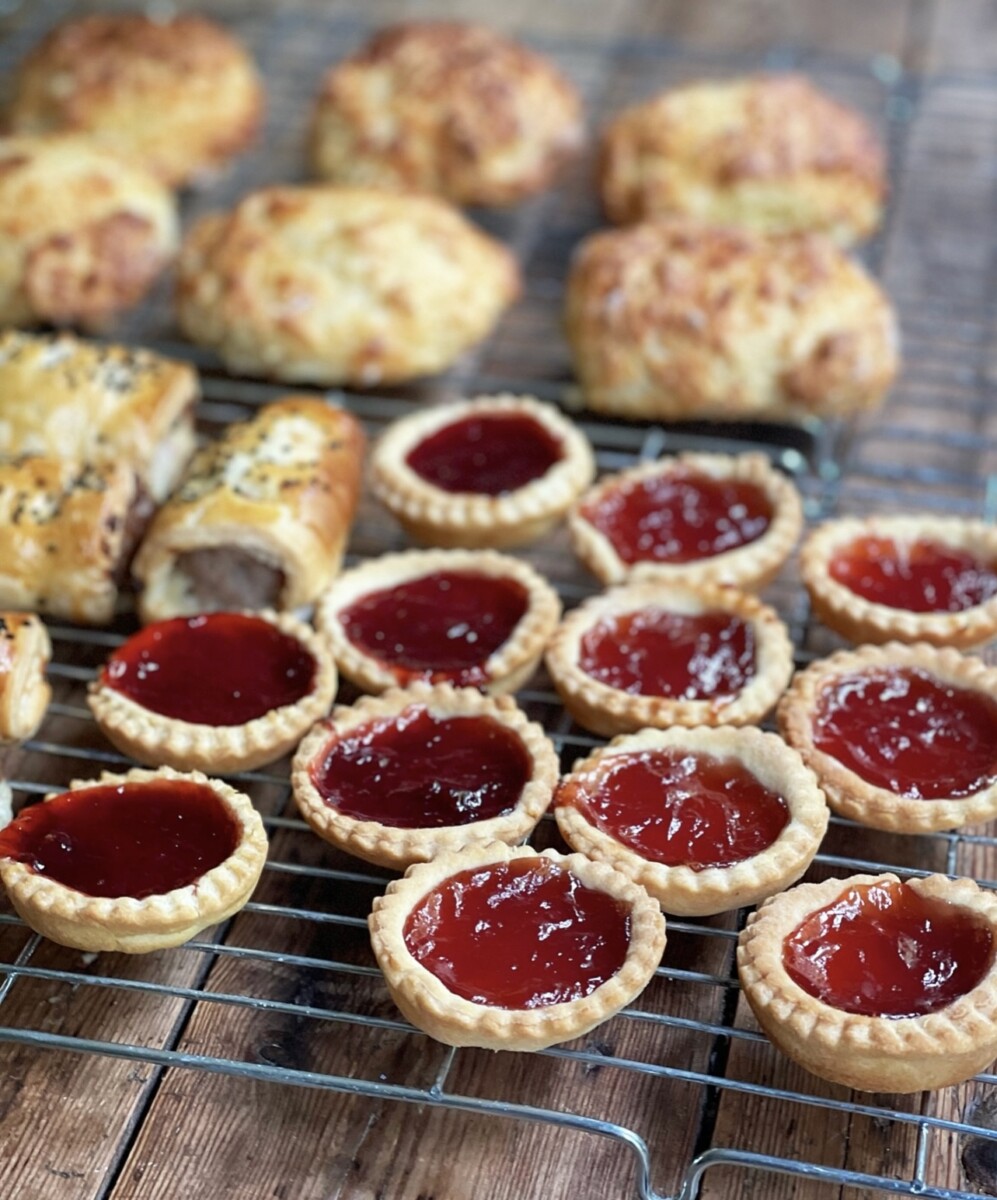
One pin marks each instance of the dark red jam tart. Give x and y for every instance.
(223, 691)
(496, 471)
(473, 618)
(415, 772)
(511, 949)
(695, 518)
(874, 983)
(134, 862)
(705, 819)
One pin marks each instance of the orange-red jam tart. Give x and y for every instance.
(874, 983)
(473, 618)
(909, 579)
(902, 738)
(510, 949)
(222, 691)
(134, 862)
(705, 819)
(495, 471)
(695, 518)
(401, 777)
(647, 655)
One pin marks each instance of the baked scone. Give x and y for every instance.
(650, 655)
(25, 650)
(705, 819)
(134, 862)
(874, 983)
(496, 471)
(220, 691)
(449, 108)
(424, 770)
(341, 285)
(83, 232)
(261, 516)
(673, 320)
(473, 618)
(902, 738)
(909, 578)
(508, 949)
(177, 96)
(771, 152)
(65, 398)
(694, 518)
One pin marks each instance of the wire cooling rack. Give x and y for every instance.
(287, 992)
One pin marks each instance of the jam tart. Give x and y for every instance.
(924, 1017)
(467, 617)
(705, 819)
(905, 578)
(220, 692)
(647, 655)
(902, 738)
(420, 771)
(694, 518)
(495, 471)
(510, 949)
(134, 862)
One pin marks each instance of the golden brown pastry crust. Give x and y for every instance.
(25, 650)
(180, 96)
(427, 1003)
(131, 926)
(680, 889)
(281, 489)
(770, 152)
(435, 517)
(753, 565)
(675, 320)
(396, 847)
(873, 1054)
(341, 285)
(449, 108)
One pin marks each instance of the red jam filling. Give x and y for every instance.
(217, 669)
(884, 950)
(907, 732)
(443, 626)
(653, 652)
(420, 771)
(684, 809)
(920, 576)
(523, 934)
(489, 454)
(679, 517)
(130, 839)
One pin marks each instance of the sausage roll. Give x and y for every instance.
(25, 650)
(261, 517)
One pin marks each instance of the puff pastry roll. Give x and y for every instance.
(261, 517)
(62, 397)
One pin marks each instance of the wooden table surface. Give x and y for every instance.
(295, 1002)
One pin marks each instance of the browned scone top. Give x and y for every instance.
(25, 650)
(674, 319)
(446, 107)
(261, 516)
(771, 152)
(178, 96)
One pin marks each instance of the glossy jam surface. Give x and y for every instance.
(652, 652)
(443, 626)
(419, 770)
(216, 669)
(883, 950)
(920, 576)
(685, 809)
(903, 730)
(524, 934)
(488, 454)
(132, 839)
(680, 517)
